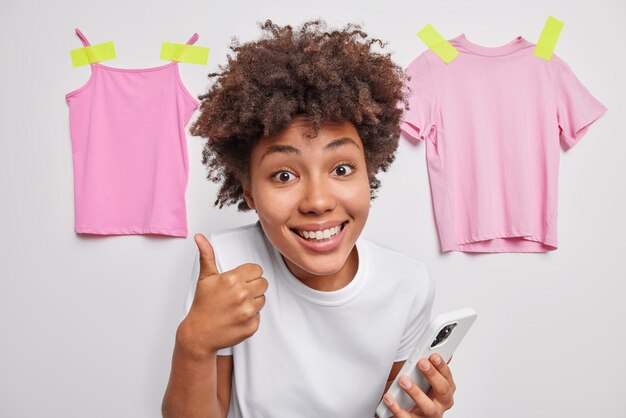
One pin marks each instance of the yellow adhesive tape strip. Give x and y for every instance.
(435, 41)
(92, 53)
(185, 53)
(548, 39)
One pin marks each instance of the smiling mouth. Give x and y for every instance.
(320, 235)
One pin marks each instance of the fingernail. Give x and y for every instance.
(424, 365)
(436, 359)
(388, 400)
(404, 382)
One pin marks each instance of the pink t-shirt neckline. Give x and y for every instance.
(518, 43)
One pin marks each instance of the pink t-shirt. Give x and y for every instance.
(129, 150)
(492, 120)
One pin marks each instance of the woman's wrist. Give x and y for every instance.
(188, 344)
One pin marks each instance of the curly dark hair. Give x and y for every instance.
(325, 76)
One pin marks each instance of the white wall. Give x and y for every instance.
(87, 324)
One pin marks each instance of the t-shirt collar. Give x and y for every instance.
(464, 45)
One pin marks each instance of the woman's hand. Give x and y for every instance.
(438, 399)
(226, 306)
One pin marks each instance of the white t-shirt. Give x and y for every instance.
(322, 354)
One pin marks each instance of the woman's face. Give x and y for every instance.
(312, 197)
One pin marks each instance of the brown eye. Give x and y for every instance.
(343, 170)
(283, 176)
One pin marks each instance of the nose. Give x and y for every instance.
(317, 197)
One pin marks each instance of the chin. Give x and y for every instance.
(324, 270)
(321, 265)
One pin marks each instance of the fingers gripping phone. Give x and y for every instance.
(442, 336)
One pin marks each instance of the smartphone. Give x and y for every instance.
(442, 336)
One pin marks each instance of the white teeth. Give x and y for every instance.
(320, 235)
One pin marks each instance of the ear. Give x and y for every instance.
(247, 195)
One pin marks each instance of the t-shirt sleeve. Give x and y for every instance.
(577, 109)
(419, 120)
(191, 291)
(418, 319)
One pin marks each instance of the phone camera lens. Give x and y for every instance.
(443, 335)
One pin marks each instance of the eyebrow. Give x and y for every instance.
(288, 149)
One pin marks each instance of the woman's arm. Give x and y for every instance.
(224, 312)
(199, 384)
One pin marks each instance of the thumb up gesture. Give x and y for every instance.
(226, 306)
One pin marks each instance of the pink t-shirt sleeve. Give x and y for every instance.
(577, 109)
(419, 120)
